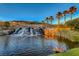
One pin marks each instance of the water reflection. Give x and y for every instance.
(34, 45)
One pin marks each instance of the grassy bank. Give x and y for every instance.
(71, 35)
(72, 52)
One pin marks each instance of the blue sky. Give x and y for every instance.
(33, 11)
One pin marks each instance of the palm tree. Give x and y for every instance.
(72, 10)
(58, 16)
(64, 14)
(47, 20)
(51, 19)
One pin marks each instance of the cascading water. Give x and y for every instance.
(31, 32)
(36, 32)
(27, 31)
(17, 30)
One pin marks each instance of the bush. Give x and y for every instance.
(73, 24)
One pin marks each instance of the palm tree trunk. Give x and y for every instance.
(64, 19)
(47, 22)
(71, 16)
(58, 22)
(51, 22)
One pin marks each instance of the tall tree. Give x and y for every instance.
(58, 16)
(51, 19)
(47, 20)
(72, 10)
(64, 14)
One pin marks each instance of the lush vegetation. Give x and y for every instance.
(70, 35)
(74, 24)
(72, 52)
(7, 24)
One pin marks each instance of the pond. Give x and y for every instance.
(32, 46)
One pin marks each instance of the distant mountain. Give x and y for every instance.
(34, 22)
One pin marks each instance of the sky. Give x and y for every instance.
(34, 11)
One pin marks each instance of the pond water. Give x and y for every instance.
(32, 46)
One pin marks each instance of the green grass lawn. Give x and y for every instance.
(72, 52)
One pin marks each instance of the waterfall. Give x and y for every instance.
(21, 32)
(17, 30)
(31, 32)
(36, 33)
(27, 31)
